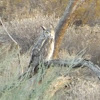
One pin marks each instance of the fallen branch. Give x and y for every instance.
(75, 63)
(71, 63)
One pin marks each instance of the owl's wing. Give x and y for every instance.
(36, 51)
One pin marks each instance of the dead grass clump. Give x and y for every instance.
(79, 38)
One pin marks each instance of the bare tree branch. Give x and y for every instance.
(71, 63)
(8, 32)
(64, 22)
(76, 63)
(13, 41)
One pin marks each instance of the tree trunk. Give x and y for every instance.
(63, 24)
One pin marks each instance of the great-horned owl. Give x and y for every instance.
(43, 49)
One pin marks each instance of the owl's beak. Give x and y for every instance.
(43, 28)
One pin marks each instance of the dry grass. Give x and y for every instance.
(58, 83)
(26, 31)
(82, 37)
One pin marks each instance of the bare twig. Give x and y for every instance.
(13, 41)
(8, 32)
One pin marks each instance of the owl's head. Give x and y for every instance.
(50, 32)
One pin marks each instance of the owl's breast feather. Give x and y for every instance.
(51, 50)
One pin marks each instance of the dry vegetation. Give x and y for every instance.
(19, 9)
(58, 83)
(80, 83)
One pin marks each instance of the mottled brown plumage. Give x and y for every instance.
(43, 49)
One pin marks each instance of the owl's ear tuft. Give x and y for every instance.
(44, 28)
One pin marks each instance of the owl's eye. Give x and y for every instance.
(47, 32)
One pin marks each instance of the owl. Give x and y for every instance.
(43, 49)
